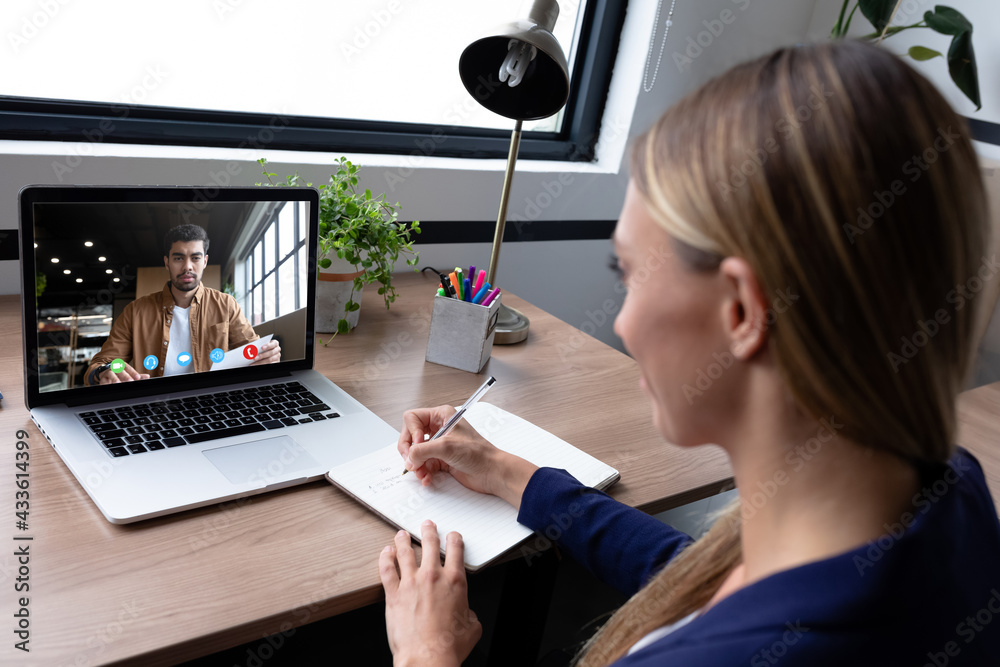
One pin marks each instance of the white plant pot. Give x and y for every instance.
(333, 291)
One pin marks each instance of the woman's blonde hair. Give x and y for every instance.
(836, 170)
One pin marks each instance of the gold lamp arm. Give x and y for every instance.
(508, 177)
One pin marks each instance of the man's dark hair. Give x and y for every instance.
(184, 233)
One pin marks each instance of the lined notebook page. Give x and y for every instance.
(488, 524)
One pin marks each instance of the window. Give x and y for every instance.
(365, 76)
(275, 267)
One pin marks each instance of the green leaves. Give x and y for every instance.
(877, 11)
(943, 19)
(962, 67)
(360, 228)
(922, 53)
(961, 57)
(947, 21)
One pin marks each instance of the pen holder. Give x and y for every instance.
(461, 333)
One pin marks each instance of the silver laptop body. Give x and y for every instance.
(246, 430)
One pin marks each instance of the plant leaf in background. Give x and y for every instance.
(961, 57)
(943, 19)
(947, 21)
(878, 12)
(962, 67)
(922, 53)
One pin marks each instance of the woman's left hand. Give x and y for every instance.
(427, 615)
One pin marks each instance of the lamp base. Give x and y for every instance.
(512, 326)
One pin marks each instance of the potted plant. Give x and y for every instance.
(360, 240)
(944, 20)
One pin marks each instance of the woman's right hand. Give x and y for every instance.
(471, 459)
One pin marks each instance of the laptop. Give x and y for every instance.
(210, 425)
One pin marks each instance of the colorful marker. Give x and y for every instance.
(479, 281)
(455, 285)
(460, 274)
(491, 297)
(466, 290)
(481, 294)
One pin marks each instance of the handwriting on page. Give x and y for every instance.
(487, 523)
(387, 478)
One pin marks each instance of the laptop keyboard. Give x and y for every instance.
(160, 425)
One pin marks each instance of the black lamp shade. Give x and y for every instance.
(542, 91)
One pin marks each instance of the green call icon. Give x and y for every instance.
(117, 366)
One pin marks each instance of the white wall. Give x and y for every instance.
(568, 279)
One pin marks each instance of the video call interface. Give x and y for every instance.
(95, 261)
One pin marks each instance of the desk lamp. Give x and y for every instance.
(534, 84)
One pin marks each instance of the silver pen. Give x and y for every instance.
(457, 417)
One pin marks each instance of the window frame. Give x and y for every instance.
(64, 120)
(249, 262)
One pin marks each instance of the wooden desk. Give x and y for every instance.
(178, 587)
(979, 431)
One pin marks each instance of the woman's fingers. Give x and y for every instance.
(387, 570)
(404, 555)
(454, 554)
(431, 545)
(415, 424)
(429, 450)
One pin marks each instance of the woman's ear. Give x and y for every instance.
(744, 308)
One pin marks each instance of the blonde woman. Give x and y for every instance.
(823, 208)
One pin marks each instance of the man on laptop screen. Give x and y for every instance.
(93, 258)
(184, 328)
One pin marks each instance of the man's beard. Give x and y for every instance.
(181, 287)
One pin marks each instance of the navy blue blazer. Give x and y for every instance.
(926, 593)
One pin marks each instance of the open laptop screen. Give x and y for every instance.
(154, 284)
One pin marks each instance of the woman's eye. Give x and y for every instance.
(615, 265)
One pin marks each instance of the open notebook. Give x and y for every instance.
(488, 524)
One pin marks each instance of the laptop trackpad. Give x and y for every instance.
(263, 461)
